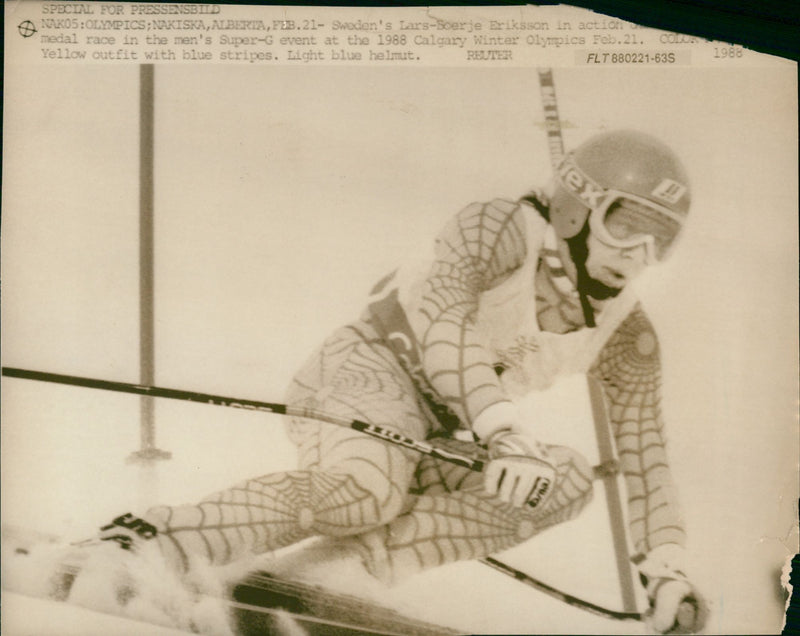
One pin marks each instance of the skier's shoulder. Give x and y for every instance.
(500, 215)
(637, 328)
(503, 205)
(637, 312)
(499, 206)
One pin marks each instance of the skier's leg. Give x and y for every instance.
(347, 482)
(447, 525)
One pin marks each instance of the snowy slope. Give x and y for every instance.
(29, 616)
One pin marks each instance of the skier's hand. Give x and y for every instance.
(519, 472)
(127, 530)
(676, 607)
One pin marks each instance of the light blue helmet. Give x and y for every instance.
(617, 162)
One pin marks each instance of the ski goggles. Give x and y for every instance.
(626, 221)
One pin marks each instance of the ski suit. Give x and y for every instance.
(440, 348)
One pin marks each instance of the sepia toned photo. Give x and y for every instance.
(394, 321)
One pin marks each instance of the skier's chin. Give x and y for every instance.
(599, 290)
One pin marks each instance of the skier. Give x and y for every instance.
(517, 293)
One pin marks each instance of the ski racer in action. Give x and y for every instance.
(517, 293)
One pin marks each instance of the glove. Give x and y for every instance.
(519, 471)
(127, 530)
(676, 607)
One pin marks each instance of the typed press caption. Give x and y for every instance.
(140, 33)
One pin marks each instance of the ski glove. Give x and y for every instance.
(127, 530)
(676, 607)
(519, 472)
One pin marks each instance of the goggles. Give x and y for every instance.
(626, 221)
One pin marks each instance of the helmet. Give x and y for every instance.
(614, 164)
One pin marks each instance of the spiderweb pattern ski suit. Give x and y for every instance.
(408, 513)
(427, 512)
(629, 368)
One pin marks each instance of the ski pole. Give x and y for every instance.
(569, 599)
(372, 430)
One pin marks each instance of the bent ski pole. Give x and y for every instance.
(569, 599)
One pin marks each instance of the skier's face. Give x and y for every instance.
(613, 266)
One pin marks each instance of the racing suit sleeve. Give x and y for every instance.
(629, 369)
(476, 251)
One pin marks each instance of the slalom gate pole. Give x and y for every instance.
(357, 425)
(605, 442)
(147, 355)
(555, 142)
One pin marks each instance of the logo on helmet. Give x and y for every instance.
(574, 180)
(669, 191)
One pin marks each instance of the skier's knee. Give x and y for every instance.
(362, 504)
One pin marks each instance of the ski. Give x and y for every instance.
(257, 604)
(260, 600)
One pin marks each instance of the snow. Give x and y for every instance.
(111, 582)
(263, 205)
(30, 616)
